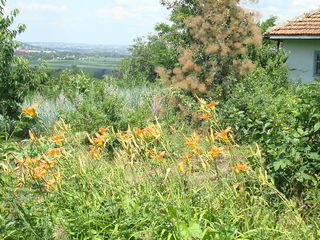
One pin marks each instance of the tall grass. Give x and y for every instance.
(150, 183)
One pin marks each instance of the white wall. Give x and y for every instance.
(301, 58)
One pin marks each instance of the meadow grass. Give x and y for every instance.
(151, 183)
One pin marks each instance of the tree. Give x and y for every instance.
(270, 22)
(214, 54)
(146, 54)
(16, 77)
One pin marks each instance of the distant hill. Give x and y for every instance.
(79, 47)
(23, 45)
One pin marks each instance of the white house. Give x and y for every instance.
(300, 37)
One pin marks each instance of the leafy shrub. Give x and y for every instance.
(96, 107)
(71, 82)
(283, 119)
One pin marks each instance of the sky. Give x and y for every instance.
(115, 21)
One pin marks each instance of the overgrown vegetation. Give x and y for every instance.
(15, 83)
(131, 157)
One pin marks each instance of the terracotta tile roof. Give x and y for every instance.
(307, 24)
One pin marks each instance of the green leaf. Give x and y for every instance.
(314, 156)
(281, 164)
(316, 127)
(192, 231)
(195, 230)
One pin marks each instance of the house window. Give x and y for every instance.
(317, 63)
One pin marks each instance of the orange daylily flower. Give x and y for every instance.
(153, 131)
(103, 130)
(212, 104)
(216, 151)
(160, 156)
(205, 116)
(48, 164)
(193, 140)
(94, 152)
(139, 132)
(58, 139)
(186, 158)
(100, 140)
(31, 111)
(240, 167)
(39, 172)
(223, 135)
(181, 166)
(54, 152)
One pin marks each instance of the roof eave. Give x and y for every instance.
(282, 37)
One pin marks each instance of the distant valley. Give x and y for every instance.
(93, 58)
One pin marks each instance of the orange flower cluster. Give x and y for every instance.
(193, 143)
(224, 134)
(216, 151)
(151, 131)
(43, 168)
(39, 168)
(100, 140)
(240, 167)
(59, 139)
(54, 152)
(207, 110)
(138, 141)
(159, 156)
(30, 111)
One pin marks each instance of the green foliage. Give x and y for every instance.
(145, 57)
(105, 105)
(270, 22)
(16, 79)
(137, 191)
(92, 103)
(282, 118)
(103, 199)
(264, 26)
(71, 82)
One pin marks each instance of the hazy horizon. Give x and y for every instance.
(115, 22)
(79, 43)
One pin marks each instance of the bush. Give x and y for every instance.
(71, 82)
(283, 119)
(97, 106)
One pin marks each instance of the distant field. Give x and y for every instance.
(96, 66)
